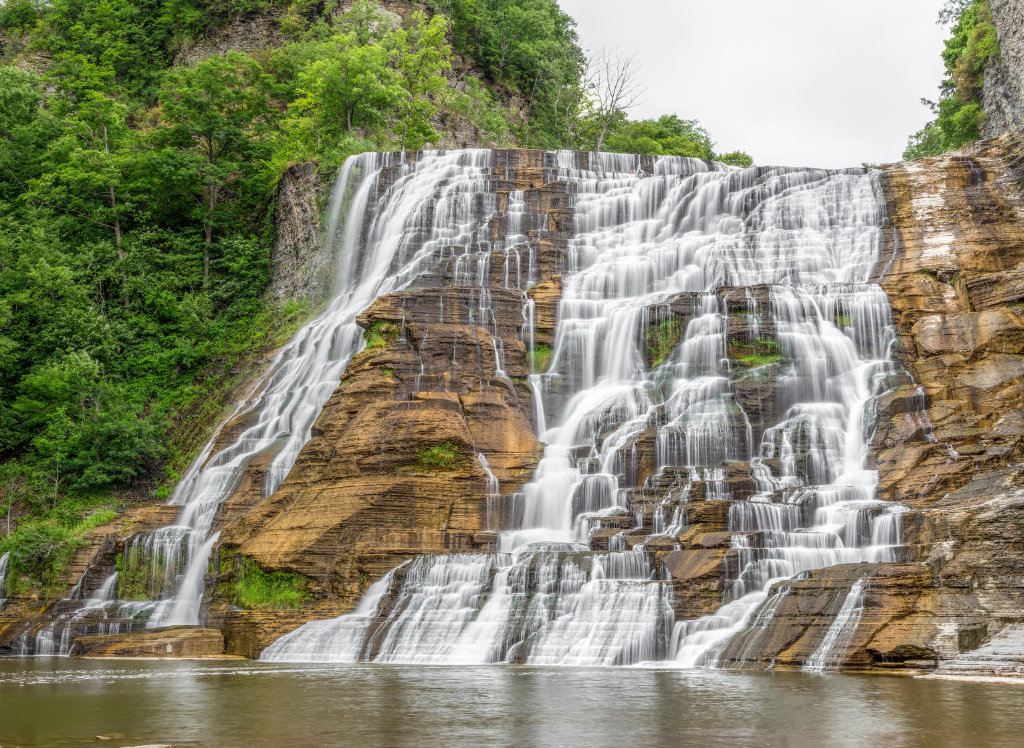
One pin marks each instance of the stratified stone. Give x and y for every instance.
(173, 641)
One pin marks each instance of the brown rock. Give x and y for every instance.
(175, 641)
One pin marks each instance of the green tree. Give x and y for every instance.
(12, 491)
(126, 37)
(735, 158)
(58, 438)
(26, 129)
(217, 113)
(349, 85)
(85, 168)
(958, 115)
(422, 57)
(532, 46)
(668, 135)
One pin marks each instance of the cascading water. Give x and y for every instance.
(335, 640)
(396, 249)
(839, 634)
(4, 559)
(680, 231)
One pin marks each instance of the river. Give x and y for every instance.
(234, 704)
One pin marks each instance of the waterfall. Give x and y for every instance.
(4, 560)
(99, 614)
(649, 233)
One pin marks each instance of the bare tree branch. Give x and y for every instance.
(617, 85)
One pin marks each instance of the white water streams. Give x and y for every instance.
(833, 646)
(4, 559)
(100, 614)
(812, 237)
(334, 640)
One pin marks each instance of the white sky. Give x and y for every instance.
(791, 82)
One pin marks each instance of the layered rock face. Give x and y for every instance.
(302, 264)
(1002, 97)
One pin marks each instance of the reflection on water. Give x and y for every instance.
(57, 702)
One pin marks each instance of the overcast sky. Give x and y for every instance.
(791, 82)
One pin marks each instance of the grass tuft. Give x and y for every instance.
(442, 456)
(539, 358)
(662, 340)
(381, 334)
(252, 588)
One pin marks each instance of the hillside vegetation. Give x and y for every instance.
(958, 113)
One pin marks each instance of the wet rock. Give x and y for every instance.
(301, 264)
(176, 641)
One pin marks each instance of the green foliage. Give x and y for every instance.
(958, 110)
(98, 518)
(530, 46)
(735, 158)
(539, 357)
(218, 114)
(443, 456)
(476, 102)
(41, 550)
(382, 334)
(136, 573)
(40, 553)
(663, 339)
(753, 355)
(668, 135)
(515, 41)
(251, 588)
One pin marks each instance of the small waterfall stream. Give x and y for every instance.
(4, 559)
(683, 230)
(830, 653)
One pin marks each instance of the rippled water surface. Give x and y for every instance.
(60, 702)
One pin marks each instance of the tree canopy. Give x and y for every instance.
(958, 114)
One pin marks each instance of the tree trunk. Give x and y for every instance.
(209, 235)
(117, 223)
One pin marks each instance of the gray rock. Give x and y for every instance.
(1003, 93)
